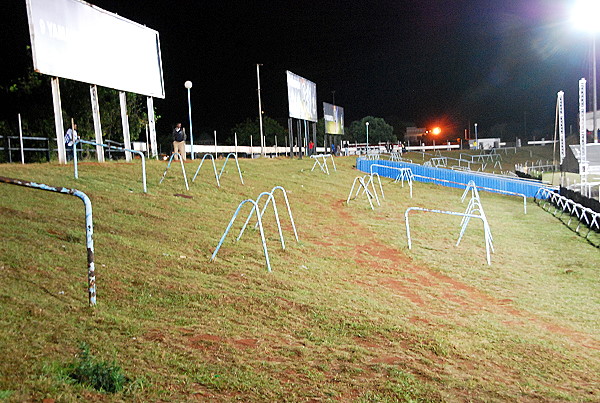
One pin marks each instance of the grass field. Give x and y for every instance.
(347, 314)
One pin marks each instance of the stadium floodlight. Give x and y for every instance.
(188, 85)
(585, 16)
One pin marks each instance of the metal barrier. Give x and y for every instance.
(236, 163)
(259, 214)
(260, 226)
(89, 226)
(182, 170)
(111, 148)
(362, 184)
(562, 204)
(403, 174)
(214, 168)
(323, 164)
(487, 233)
(287, 203)
(459, 179)
(480, 187)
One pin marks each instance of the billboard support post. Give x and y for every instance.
(299, 138)
(152, 126)
(291, 137)
(314, 127)
(97, 124)
(58, 121)
(20, 140)
(125, 123)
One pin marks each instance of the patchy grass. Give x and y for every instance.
(348, 313)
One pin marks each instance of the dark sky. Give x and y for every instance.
(485, 61)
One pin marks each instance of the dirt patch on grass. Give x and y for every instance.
(425, 283)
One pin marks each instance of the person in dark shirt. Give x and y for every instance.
(179, 141)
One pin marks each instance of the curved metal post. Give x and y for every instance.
(262, 234)
(236, 163)
(110, 148)
(214, 168)
(89, 226)
(287, 203)
(259, 213)
(182, 170)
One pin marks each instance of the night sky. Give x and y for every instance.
(426, 62)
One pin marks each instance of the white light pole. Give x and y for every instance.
(188, 85)
(367, 123)
(476, 141)
(586, 14)
(262, 139)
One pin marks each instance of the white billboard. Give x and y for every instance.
(302, 97)
(79, 41)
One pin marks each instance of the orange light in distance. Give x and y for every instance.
(436, 131)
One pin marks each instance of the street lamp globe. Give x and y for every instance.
(188, 84)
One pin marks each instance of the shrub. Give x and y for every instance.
(100, 375)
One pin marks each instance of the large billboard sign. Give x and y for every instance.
(302, 97)
(79, 41)
(334, 118)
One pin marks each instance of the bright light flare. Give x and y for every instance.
(586, 15)
(436, 131)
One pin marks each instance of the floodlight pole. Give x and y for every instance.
(262, 139)
(367, 123)
(188, 85)
(595, 87)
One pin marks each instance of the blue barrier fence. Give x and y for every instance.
(460, 178)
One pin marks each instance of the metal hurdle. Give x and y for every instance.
(487, 233)
(323, 164)
(182, 170)
(361, 183)
(259, 214)
(214, 168)
(403, 174)
(110, 148)
(236, 163)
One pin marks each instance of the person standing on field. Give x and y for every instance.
(179, 141)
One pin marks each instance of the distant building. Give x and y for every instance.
(484, 144)
(413, 135)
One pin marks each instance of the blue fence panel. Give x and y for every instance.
(460, 178)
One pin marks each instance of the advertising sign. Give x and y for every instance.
(79, 41)
(302, 97)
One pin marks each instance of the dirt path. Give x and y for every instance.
(425, 284)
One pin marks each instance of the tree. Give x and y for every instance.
(32, 97)
(271, 129)
(379, 131)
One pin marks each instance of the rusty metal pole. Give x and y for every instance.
(89, 225)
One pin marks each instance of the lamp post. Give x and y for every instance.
(476, 141)
(367, 123)
(188, 85)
